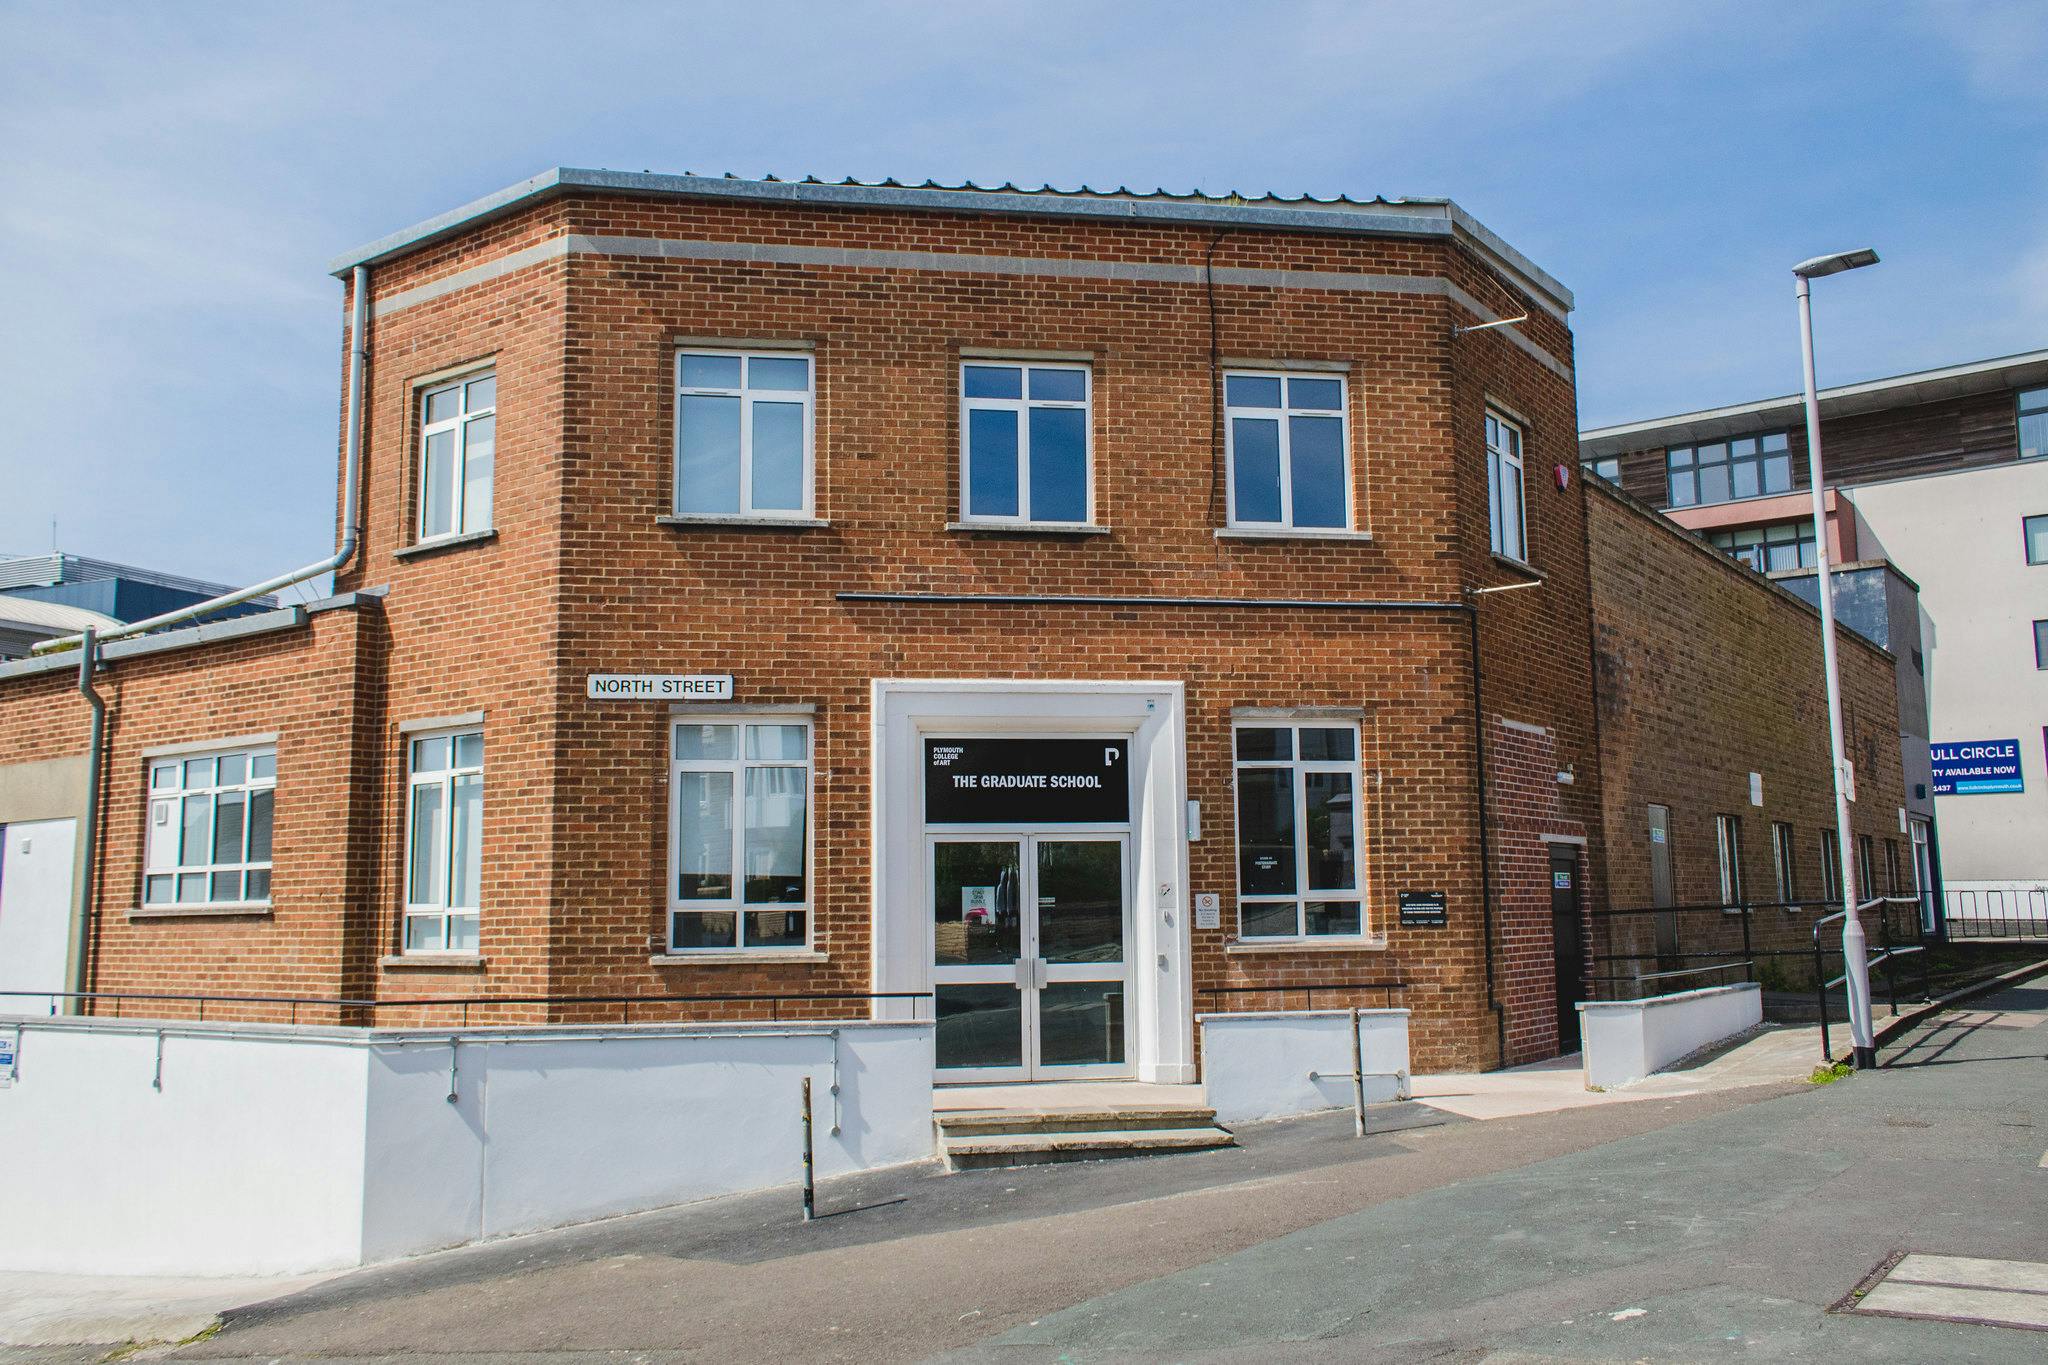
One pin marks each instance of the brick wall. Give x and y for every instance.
(1707, 672)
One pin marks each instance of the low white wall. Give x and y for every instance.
(1626, 1040)
(281, 1149)
(1258, 1065)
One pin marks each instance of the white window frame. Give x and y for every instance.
(444, 837)
(1281, 414)
(1022, 406)
(166, 778)
(1355, 767)
(1499, 453)
(737, 767)
(1830, 865)
(747, 396)
(459, 424)
(1785, 861)
(1728, 861)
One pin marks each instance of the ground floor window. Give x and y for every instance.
(444, 842)
(1830, 866)
(1782, 854)
(209, 829)
(739, 833)
(1728, 840)
(1300, 835)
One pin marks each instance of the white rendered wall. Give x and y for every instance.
(36, 859)
(1958, 536)
(1257, 1065)
(1626, 1040)
(280, 1149)
(249, 1160)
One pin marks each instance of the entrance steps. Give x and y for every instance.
(1022, 1132)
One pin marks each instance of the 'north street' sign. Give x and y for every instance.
(659, 687)
(1027, 781)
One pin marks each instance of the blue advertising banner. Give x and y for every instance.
(1972, 767)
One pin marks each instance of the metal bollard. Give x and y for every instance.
(810, 1181)
(1357, 1077)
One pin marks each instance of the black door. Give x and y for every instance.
(1568, 943)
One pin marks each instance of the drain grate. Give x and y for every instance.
(1955, 1289)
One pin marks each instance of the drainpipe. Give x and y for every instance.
(351, 525)
(81, 934)
(89, 641)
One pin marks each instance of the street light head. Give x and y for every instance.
(1835, 264)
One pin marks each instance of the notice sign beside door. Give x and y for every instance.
(1049, 781)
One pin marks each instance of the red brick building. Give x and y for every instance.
(1089, 604)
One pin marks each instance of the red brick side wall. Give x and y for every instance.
(1707, 673)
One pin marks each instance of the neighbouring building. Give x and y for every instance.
(1088, 611)
(45, 596)
(1937, 489)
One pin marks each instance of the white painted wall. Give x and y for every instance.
(1257, 1065)
(1958, 536)
(282, 1149)
(36, 859)
(249, 1160)
(1626, 1040)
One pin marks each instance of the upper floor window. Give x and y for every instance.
(458, 455)
(1608, 469)
(1727, 470)
(1286, 448)
(739, 834)
(1024, 443)
(1300, 841)
(2041, 644)
(209, 829)
(444, 842)
(1504, 497)
(1767, 549)
(743, 434)
(2034, 530)
(2033, 424)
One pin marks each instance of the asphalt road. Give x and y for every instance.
(1687, 1229)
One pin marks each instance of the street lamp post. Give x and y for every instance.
(1855, 956)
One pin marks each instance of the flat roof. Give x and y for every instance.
(1420, 217)
(2025, 370)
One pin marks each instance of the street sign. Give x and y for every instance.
(659, 687)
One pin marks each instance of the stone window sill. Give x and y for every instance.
(793, 955)
(690, 521)
(1306, 945)
(447, 962)
(245, 911)
(1026, 528)
(1520, 566)
(1290, 533)
(440, 543)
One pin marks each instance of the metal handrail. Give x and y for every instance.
(1308, 991)
(625, 1002)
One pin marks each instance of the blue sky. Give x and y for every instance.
(174, 178)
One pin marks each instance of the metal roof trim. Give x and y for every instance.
(1378, 217)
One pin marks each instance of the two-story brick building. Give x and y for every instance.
(1076, 605)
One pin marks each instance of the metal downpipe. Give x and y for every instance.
(95, 753)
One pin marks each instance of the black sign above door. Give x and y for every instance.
(1027, 781)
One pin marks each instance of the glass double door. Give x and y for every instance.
(1028, 971)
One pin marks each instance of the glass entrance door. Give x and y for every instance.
(1028, 970)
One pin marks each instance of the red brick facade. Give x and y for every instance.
(580, 577)
(1707, 673)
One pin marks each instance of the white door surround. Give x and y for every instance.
(1153, 715)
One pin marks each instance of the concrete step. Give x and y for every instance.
(966, 1152)
(970, 1122)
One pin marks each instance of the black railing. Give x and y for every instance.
(1306, 992)
(291, 1005)
(1889, 941)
